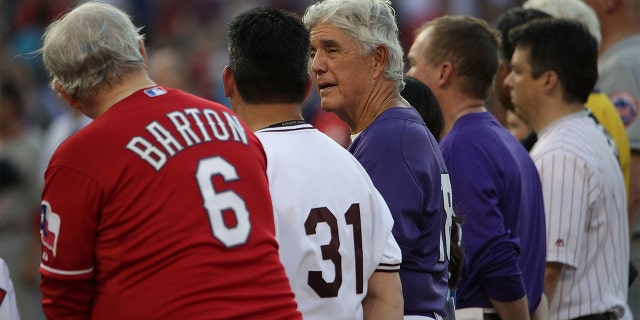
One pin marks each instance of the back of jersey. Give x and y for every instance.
(333, 227)
(171, 216)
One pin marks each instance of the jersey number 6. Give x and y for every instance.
(330, 251)
(216, 203)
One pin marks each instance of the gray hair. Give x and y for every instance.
(90, 48)
(370, 23)
(569, 9)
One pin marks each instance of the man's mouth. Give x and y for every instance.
(324, 86)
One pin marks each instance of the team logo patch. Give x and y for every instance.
(627, 106)
(155, 91)
(49, 227)
(559, 243)
(3, 293)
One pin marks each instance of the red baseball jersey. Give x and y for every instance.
(160, 209)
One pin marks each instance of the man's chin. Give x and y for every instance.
(328, 106)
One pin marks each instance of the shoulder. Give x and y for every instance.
(395, 126)
(626, 48)
(571, 140)
(619, 64)
(474, 133)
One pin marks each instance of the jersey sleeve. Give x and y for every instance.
(566, 190)
(391, 256)
(68, 222)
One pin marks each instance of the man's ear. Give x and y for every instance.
(143, 52)
(71, 101)
(446, 73)
(550, 81)
(380, 55)
(228, 82)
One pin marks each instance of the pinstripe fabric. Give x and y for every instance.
(584, 197)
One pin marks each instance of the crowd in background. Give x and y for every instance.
(189, 35)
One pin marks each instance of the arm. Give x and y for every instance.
(68, 237)
(77, 302)
(551, 277)
(491, 248)
(542, 312)
(518, 309)
(563, 241)
(384, 297)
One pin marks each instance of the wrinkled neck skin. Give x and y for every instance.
(382, 97)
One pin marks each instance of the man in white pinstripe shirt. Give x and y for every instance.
(554, 70)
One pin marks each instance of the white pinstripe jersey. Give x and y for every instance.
(332, 225)
(585, 207)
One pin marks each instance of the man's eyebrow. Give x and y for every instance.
(329, 43)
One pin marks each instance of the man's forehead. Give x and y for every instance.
(520, 58)
(521, 51)
(325, 32)
(420, 44)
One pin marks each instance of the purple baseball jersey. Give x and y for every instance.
(406, 166)
(498, 194)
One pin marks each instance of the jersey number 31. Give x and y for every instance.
(330, 251)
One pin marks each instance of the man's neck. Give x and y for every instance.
(454, 108)
(259, 116)
(107, 98)
(375, 105)
(554, 113)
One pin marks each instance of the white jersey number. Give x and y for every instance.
(217, 203)
(445, 244)
(331, 251)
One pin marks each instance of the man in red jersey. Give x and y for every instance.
(158, 209)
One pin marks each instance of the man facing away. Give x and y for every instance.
(159, 208)
(333, 226)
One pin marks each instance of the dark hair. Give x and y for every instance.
(457, 253)
(420, 96)
(471, 46)
(269, 55)
(565, 47)
(510, 19)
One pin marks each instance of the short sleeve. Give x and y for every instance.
(69, 214)
(566, 190)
